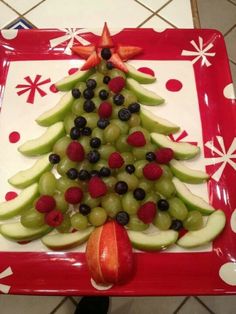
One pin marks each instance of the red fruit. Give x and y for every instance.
(115, 160)
(54, 218)
(96, 187)
(105, 110)
(45, 204)
(116, 84)
(152, 171)
(73, 195)
(118, 63)
(105, 40)
(83, 51)
(164, 155)
(109, 254)
(136, 139)
(91, 62)
(147, 212)
(75, 151)
(128, 52)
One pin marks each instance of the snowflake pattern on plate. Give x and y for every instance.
(180, 137)
(6, 273)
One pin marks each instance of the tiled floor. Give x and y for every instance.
(219, 14)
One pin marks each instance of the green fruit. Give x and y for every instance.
(64, 165)
(97, 216)
(129, 203)
(130, 179)
(69, 122)
(136, 224)
(165, 187)
(47, 183)
(162, 220)
(79, 222)
(64, 183)
(61, 203)
(140, 77)
(65, 225)
(111, 202)
(32, 218)
(193, 221)
(69, 82)
(177, 209)
(60, 146)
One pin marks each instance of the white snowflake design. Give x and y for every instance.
(200, 53)
(6, 273)
(224, 157)
(71, 34)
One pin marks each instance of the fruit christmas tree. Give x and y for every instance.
(108, 173)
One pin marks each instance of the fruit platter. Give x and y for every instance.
(118, 154)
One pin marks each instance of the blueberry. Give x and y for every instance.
(105, 172)
(121, 187)
(76, 93)
(176, 225)
(74, 133)
(150, 156)
(109, 65)
(103, 94)
(88, 93)
(91, 84)
(134, 107)
(72, 173)
(103, 123)
(118, 99)
(163, 204)
(106, 53)
(94, 173)
(93, 156)
(130, 168)
(122, 218)
(139, 194)
(84, 209)
(89, 106)
(84, 175)
(80, 122)
(54, 159)
(106, 79)
(86, 131)
(124, 114)
(95, 142)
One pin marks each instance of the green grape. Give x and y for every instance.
(165, 187)
(151, 196)
(77, 107)
(116, 72)
(69, 122)
(32, 218)
(79, 222)
(129, 97)
(91, 118)
(136, 224)
(111, 133)
(115, 111)
(65, 226)
(81, 86)
(98, 216)
(64, 165)
(102, 68)
(134, 120)
(110, 182)
(129, 203)
(140, 152)
(47, 183)
(193, 221)
(61, 203)
(85, 142)
(123, 126)
(101, 163)
(122, 145)
(128, 158)
(99, 88)
(177, 209)
(139, 165)
(97, 132)
(162, 220)
(84, 165)
(147, 185)
(64, 183)
(167, 173)
(144, 131)
(111, 202)
(91, 202)
(97, 102)
(130, 179)
(61, 145)
(106, 150)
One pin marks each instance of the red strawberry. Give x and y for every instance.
(128, 52)
(116, 84)
(147, 212)
(105, 110)
(115, 160)
(152, 171)
(136, 139)
(96, 187)
(105, 40)
(75, 151)
(164, 155)
(45, 204)
(118, 63)
(73, 195)
(91, 62)
(54, 218)
(83, 51)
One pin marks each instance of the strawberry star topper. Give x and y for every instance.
(107, 50)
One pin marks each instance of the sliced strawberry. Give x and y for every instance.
(83, 51)
(91, 62)
(105, 40)
(128, 52)
(118, 63)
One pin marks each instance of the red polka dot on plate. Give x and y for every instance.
(174, 85)
(14, 137)
(147, 70)
(10, 195)
(53, 89)
(72, 71)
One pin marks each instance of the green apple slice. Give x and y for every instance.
(181, 150)
(27, 177)
(64, 241)
(186, 174)
(192, 201)
(214, 225)
(152, 241)
(45, 142)
(145, 96)
(153, 123)
(70, 81)
(23, 201)
(58, 112)
(140, 77)
(17, 232)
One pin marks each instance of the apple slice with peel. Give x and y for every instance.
(214, 225)
(192, 201)
(153, 241)
(140, 77)
(153, 123)
(45, 142)
(23, 201)
(27, 177)
(186, 174)
(58, 112)
(70, 81)
(17, 232)
(64, 241)
(181, 150)
(145, 96)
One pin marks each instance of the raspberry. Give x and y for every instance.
(73, 195)
(54, 218)
(164, 155)
(96, 187)
(136, 139)
(45, 204)
(147, 212)
(75, 151)
(105, 110)
(152, 171)
(116, 84)
(115, 160)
